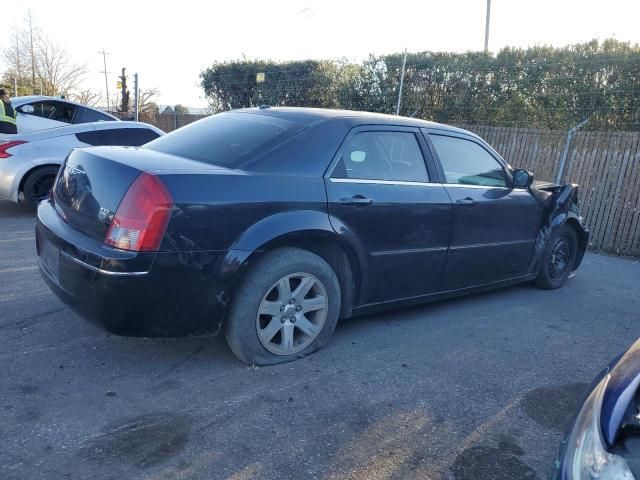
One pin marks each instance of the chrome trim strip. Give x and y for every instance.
(381, 182)
(409, 251)
(494, 244)
(402, 182)
(462, 185)
(100, 270)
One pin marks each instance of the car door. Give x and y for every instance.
(43, 115)
(494, 225)
(381, 198)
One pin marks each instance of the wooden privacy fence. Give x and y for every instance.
(169, 121)
(606, 165)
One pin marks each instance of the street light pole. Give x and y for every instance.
(486, 27)
(136, 94)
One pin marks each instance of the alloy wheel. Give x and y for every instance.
(292, 313)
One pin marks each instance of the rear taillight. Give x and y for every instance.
(141, 218)
(6, 145)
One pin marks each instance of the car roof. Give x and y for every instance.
(17, 101)
(79, 128)
(311, 116)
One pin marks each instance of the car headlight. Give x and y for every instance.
(587, 458)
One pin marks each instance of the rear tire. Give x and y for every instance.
(286, 308)
(558, 258)
(38, 184)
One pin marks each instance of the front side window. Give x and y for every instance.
(467, 163)
(60, 112)
(381, 155)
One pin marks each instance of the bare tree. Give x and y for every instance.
(87, 97)
(56, 69)
(146, 102)
(38, 64)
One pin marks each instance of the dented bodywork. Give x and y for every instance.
(559, 206)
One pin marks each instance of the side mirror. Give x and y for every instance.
(522, 178)
(26, 109)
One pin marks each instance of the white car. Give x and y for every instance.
(29, 162)
(38, 112)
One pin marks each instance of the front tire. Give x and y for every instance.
(558, 258)
(38, 185)
(286, 308)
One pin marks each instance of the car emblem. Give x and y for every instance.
(104, 214)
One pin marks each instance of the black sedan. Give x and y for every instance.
(270, 224)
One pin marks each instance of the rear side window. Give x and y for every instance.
(380, 155)
(467, 163)
(226, 138)
(87, 115)
(128, 137)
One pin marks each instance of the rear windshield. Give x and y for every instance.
(225, 139)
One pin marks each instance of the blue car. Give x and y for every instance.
(603, 441)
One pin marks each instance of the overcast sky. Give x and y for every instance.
(170, 43)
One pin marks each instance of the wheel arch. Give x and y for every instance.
(25, 175)
(308, 230)
(582, 235)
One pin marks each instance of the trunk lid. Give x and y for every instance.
(89, 189)
(93, 181)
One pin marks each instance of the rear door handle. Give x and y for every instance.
(356, 201)
(466, 202)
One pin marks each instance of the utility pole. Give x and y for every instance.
(136, 94)
(486, 27)
(106, 79)
(33, 56)
(404, 64)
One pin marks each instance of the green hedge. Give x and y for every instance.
(541, 86)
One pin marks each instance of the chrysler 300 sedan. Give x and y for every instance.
(270, 224)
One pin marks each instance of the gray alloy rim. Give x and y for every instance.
(292, 313)
(559, 260)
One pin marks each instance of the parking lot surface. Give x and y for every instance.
(474, 388)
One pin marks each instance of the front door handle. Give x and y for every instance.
(356, 201)
(466, 202)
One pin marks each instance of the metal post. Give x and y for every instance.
(136, 90)
(15, 87)
(404, 64)
(106, 79)
(567, 145)
(486, 27)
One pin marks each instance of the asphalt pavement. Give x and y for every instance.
(474, 388)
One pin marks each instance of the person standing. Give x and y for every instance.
(7, 114)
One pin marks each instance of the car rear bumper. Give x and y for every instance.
(129, 293)
(11, 171)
